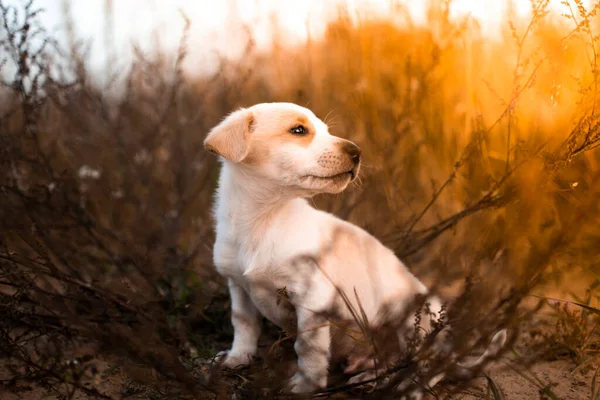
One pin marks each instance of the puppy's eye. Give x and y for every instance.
(299, 130)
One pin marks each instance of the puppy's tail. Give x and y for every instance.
(465, 370)
(492, 350)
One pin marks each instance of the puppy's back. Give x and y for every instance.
(362, 267)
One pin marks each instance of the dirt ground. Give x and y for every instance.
(567, 384)
(115, 379)
(561, 375)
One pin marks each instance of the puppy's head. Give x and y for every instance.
(287, 145)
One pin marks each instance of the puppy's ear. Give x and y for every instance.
(230, 138)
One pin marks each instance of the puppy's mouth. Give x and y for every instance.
(343, 175)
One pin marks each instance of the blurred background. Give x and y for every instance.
(479, 126)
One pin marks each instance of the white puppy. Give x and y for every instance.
(271, 244)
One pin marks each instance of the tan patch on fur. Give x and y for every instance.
(303, 140)
(230, 138)
(291, 120)
(279, 127)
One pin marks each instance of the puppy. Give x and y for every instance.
(271, 244)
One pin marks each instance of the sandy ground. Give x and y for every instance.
(566, 384)
(565, 381)
(563, 377)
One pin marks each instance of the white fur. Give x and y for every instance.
(269, 240)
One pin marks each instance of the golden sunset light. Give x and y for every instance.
(280, 199)
(220, 26)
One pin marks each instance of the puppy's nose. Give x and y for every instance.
(353, 151)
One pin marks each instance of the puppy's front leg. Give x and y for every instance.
(312, 346)
(246, 322)
(313, 349)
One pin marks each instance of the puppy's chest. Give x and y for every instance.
(272, 299)
(238, 253)
(263, 270)
(269, 250)
(268, 283)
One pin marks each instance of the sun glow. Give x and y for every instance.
(224, 27)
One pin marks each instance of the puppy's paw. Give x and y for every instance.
(368, 379)
(363, 377)
(234, 359)
(358, 364)
(299, 383)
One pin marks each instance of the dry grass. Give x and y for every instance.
(481, 173)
